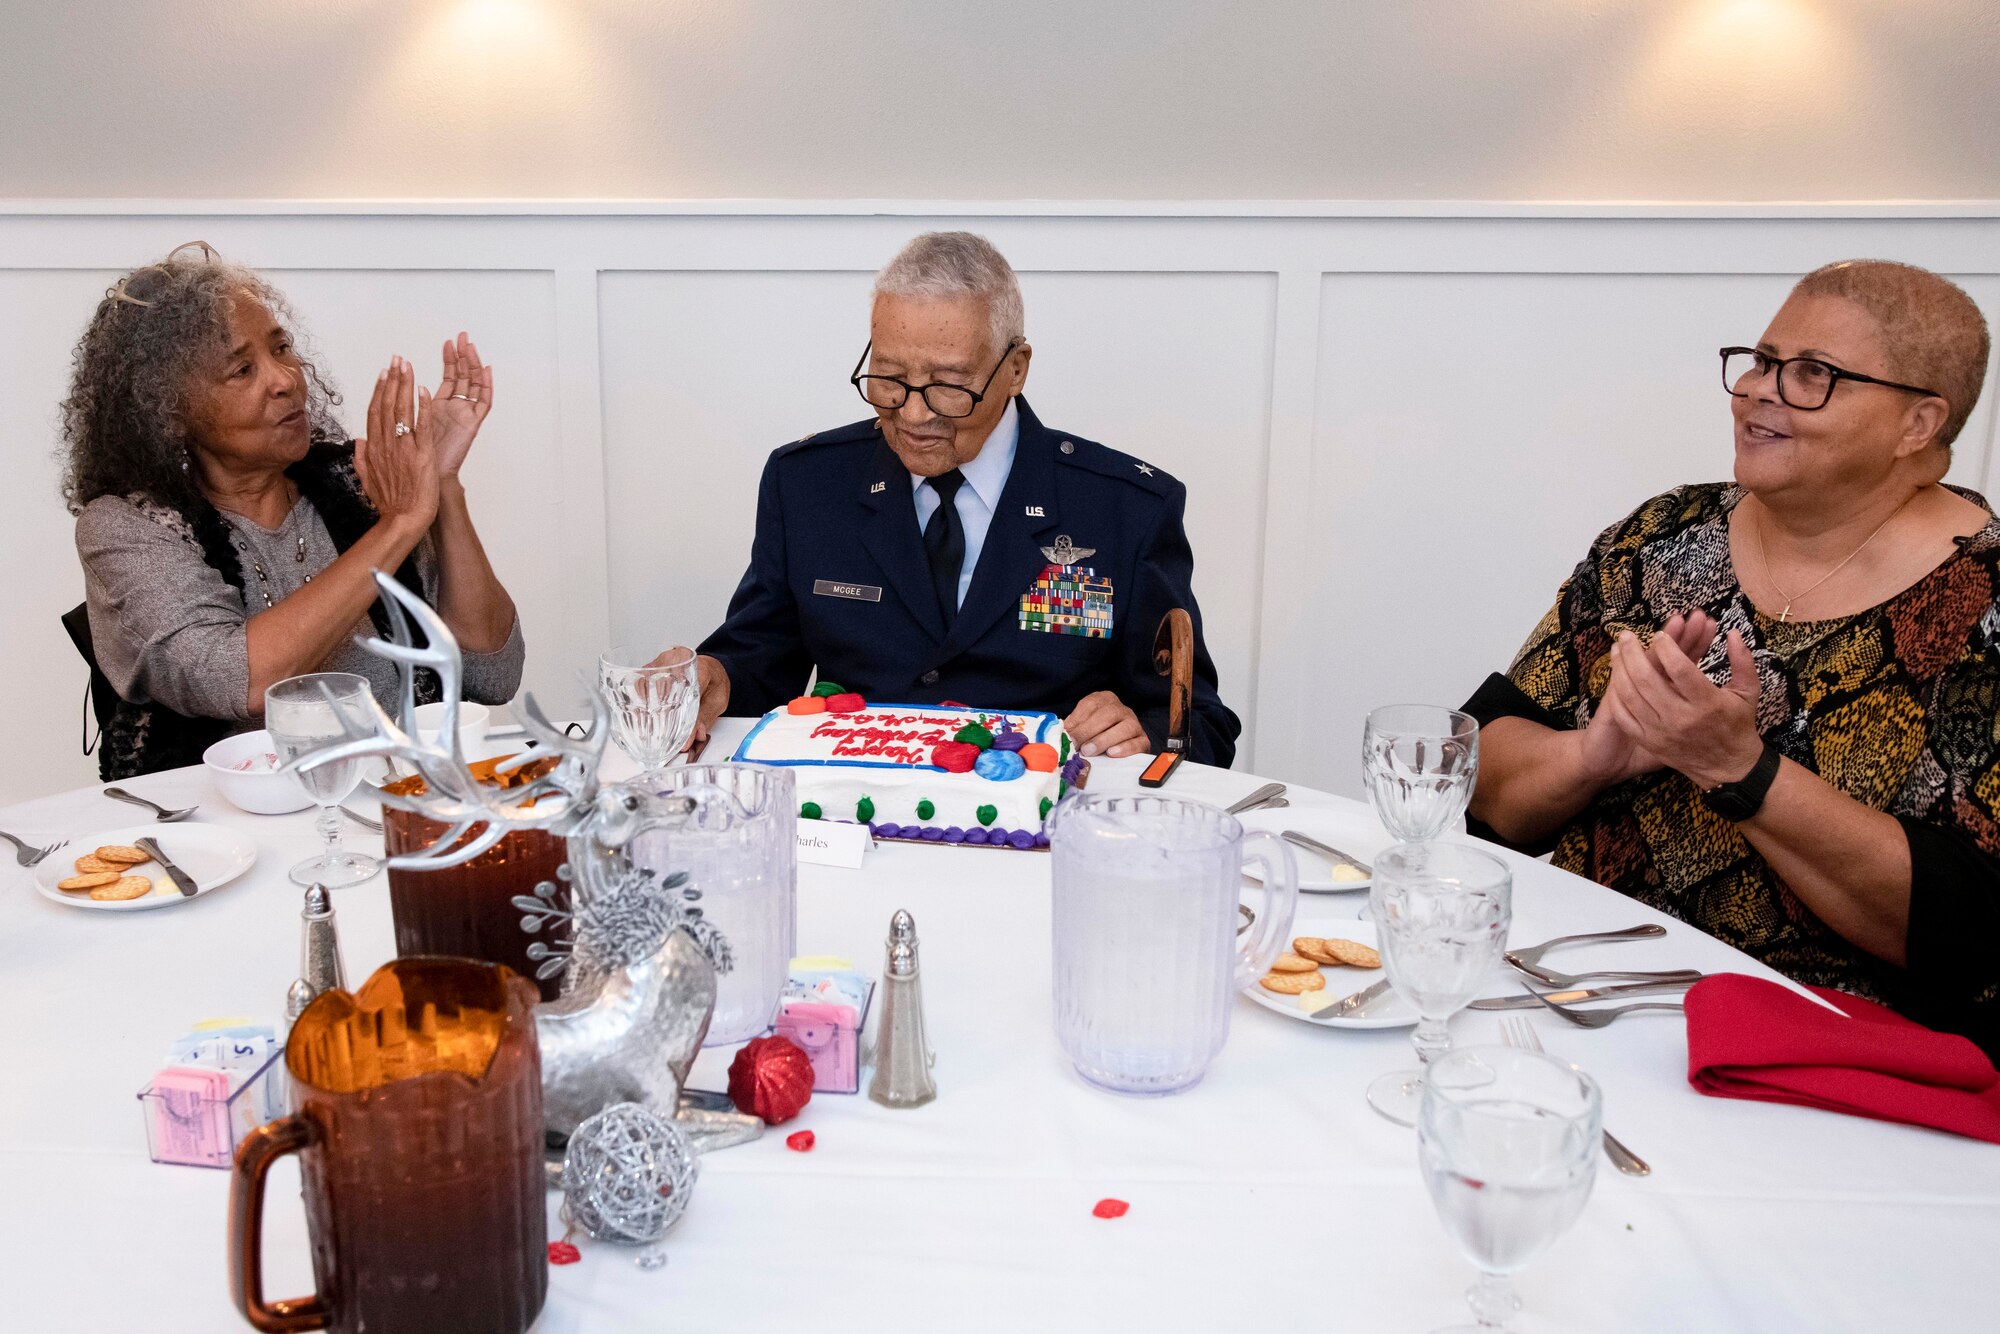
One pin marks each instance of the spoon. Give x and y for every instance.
(160, 813)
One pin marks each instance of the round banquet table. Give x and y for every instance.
(1267, 1196)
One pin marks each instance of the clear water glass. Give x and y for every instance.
(654, 705)
(300, 714)
(1419, 762)
(740, 850)
(1508, 1142)
(1441, 913)
(1148, 959)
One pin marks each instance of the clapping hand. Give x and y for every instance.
(464, 397)
(1612, 751)
(1661, 699)
(399, 472)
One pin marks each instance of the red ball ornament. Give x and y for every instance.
(847, 703)
(955, 757)
(771, 1079)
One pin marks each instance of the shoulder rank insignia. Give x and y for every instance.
(1146, 468)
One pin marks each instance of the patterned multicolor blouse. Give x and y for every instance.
(1897, 706)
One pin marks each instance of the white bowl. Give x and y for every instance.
(472, 719)
(260, 789)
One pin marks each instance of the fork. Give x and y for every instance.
(30, 855)
(1600, 1018)
(1518, 1032)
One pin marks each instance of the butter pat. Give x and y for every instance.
(1312, 1002)
(1349, 874)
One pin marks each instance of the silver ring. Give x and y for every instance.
(402, 428)
(467, 397)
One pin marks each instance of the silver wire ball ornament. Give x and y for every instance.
(628, 1174)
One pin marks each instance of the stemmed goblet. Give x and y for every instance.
(303, 714)
(655, 702)
(1441, 914)
(1419, 762)
(1507, 1140)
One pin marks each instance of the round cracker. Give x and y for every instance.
(91, 864)
(1291, 984)
(1351, 952)
(126, 887)
(90, 880)
(1293, 963)
(1312, 947)
(121, 854)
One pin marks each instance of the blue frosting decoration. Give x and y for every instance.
(997, 834)
(888, 830)
(954, 835)
(932, 833)
(1041, 840)
(975, 835)
(1000, 766)
(1022, 839)
(1009, 740)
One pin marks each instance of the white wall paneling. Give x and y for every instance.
(1399, 427)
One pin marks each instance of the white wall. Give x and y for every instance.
(1049, 99)
(1399, 431)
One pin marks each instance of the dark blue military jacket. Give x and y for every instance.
(838, 581)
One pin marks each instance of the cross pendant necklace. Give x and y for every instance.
(1785, 616)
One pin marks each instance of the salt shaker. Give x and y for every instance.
(319, 954)
(903, 1055)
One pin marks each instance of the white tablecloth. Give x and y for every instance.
(1267, 1197)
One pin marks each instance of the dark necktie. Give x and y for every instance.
(944, 543)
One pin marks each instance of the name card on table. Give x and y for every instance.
(834, 843)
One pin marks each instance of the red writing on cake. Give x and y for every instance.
(898, 738)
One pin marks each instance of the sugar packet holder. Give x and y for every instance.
(823, 1013)
(220, 1085)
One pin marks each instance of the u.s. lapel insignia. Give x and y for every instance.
(1067, 598)
(1065, 552)
(1037, 512)
(878, 488)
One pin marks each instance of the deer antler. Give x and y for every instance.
(452, 796)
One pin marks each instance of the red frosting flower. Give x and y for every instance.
(848, 703)
(955, 757)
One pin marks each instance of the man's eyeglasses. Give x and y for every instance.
(1805, 383)
(946, 400)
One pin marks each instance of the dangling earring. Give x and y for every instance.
(184, 461)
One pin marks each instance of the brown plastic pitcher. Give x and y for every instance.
(417, 1118)
(468, 910)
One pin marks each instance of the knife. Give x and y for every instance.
(182, 881)
(1293, 836)
(1351, 1007)
(1582, 994)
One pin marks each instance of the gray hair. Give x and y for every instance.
(949, 265)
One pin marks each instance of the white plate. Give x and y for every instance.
(1315, 871)
(212, 857)
(1391, 1011)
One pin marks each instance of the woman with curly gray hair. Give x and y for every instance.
(228, 529)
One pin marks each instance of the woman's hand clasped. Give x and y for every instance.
(1662, 701)
(400, 471)
(1611, 750)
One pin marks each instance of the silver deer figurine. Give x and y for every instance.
(641, 963)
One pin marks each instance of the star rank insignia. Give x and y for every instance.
(1146, 469)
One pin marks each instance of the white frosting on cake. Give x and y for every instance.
(883, 753)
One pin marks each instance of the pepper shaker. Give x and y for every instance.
(903, 1055)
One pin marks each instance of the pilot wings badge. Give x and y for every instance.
(1064, 552)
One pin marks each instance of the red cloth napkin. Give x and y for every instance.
(1750, 1038)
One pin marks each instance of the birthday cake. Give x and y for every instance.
(920, 772)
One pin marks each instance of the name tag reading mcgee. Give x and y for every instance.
(828, 588)
(834, 842)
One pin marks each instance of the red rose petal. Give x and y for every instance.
(955, 757)
(800, 1141)
(1109, 1208)
(562, 1253)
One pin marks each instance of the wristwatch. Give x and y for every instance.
(1741, 799)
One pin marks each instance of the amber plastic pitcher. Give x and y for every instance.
(417, 1118)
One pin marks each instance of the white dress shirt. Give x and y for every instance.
(979, 499)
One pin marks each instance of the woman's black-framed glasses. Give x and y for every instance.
(1805, 383)
(946, 400)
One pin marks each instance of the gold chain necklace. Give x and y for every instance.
(1765, 556)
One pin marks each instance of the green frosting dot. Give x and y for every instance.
(864, 809)
(809, 811)
(987, 814)
(1047, 806)
(925, 810)
(827, 688)
(974, 734)
(1061, 788)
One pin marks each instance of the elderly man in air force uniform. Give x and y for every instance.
(951, 547)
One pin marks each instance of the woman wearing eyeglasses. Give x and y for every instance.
(228, 529)
(1769, 707)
